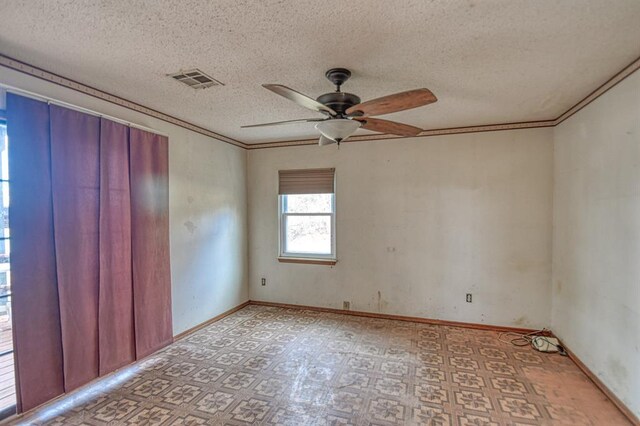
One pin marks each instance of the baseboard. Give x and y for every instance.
(209, 321)
(177, 337)
(397, 317)
(603, 388)
(616, 401)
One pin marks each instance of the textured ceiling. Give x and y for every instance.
(488, 61)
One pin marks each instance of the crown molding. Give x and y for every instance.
(601, 90)
(42, 74)
(91, 91)
(424, 133)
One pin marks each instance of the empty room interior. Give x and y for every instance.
(298, 212)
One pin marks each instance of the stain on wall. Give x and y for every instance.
(596, 244)
(420, 223)
(191, 227)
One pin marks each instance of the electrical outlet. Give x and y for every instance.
(468, 297)
(264, 282)
(346, 305)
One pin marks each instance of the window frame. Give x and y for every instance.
(3, 238)
(294, 257)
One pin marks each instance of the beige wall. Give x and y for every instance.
(208, 224)
(420, 223)
(596, 244)
(207, 209)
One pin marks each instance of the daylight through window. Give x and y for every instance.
(307, 213)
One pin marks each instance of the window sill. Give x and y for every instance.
(310, 261)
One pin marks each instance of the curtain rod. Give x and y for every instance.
(50, 100)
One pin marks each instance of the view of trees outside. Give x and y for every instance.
(308, 234)
(308, 203)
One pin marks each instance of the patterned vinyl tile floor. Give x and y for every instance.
(276, 366)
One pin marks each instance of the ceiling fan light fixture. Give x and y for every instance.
(338, 129)
(325, 141)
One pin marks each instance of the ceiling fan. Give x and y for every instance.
(345, 113)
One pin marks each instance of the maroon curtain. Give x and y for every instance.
(36, 315)
(90, 246)
(75, 171)
(115, 325)
(150, 240)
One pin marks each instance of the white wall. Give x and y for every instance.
(207, 209)
(596, 244)
(420, 223)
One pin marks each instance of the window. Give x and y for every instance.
(7, 393)
(5, 243)
(307, 214)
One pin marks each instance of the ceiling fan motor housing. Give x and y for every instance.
(339, 101)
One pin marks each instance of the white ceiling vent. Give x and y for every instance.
(196, 79)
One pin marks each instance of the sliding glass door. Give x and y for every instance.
(7, 376)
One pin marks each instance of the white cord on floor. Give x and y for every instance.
(519, 339)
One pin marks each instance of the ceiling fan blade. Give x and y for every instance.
(390, 127)
(277, 123)
(299, 98)
(394, 103)
(325, 141)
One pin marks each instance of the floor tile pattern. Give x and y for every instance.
(277, 366)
